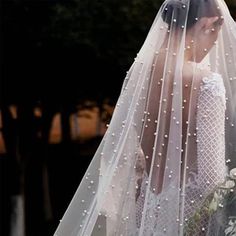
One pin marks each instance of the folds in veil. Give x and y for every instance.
(166, 165)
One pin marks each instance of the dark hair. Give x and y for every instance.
(178, 11)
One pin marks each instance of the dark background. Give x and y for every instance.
(57, 55)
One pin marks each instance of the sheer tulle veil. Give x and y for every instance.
(166, 165)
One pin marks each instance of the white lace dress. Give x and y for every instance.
(211, 168)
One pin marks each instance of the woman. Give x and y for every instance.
(166, 163)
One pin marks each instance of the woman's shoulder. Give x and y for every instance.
(199, 75)
(211, 83)
(204, 81)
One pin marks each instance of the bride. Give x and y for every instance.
(166, 165)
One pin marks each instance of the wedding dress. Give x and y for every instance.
(167, 163)
(211, 168)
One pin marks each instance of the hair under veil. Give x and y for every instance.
(167, 163)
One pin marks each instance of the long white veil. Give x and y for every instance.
(166, 163)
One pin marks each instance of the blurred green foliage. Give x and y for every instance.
(114, 29)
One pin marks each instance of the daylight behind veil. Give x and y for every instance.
(166, 165)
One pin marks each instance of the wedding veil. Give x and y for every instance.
(166, 163)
